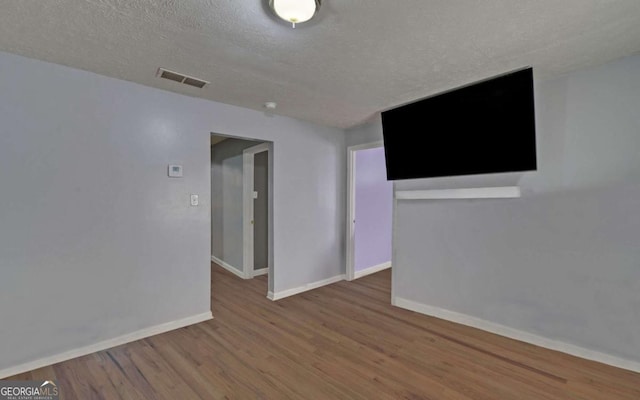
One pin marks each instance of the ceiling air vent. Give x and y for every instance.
(177, 77)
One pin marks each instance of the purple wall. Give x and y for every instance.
(374, 209)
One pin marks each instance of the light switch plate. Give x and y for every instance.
(194, 200)
(175, 171)
(255, 195)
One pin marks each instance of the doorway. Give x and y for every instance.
(241, 206)
(369, 211)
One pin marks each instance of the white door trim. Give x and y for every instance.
(351, 203)
(247, 206)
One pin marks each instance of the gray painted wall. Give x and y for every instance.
(562, 262)
(366, 133)
(97, 242)
(226, 200)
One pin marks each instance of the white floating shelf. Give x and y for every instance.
(504, 192)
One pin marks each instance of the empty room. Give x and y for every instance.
(320, 199)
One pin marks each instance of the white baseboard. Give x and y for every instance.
(314, 285)
(262, 271)
(371, 270)
(516, 334)
(105, 344)
(228, 267)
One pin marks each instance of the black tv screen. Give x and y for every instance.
(487, 127)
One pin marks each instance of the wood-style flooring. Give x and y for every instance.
(343, 341)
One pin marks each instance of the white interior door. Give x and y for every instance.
(249, 204)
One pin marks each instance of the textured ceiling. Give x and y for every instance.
(359, 57)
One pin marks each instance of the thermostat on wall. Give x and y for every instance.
(175, 171)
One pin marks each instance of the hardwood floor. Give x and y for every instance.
(343, 341)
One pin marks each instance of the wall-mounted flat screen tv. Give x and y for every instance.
(483, 128)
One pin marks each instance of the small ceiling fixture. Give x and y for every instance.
(295, 11)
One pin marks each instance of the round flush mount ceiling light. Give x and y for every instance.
(295, 11)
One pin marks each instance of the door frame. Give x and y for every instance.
(248, 156)
(351, 202)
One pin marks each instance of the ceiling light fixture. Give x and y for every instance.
(295, 11)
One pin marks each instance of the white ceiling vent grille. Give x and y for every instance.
(178, 77)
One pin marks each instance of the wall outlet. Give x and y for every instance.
(194, 200)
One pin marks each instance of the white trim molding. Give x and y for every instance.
(262, 271)
(105, 344)
(516, 334)
(372, 270)
(503, 192)
(229, 267)
(304, 288)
